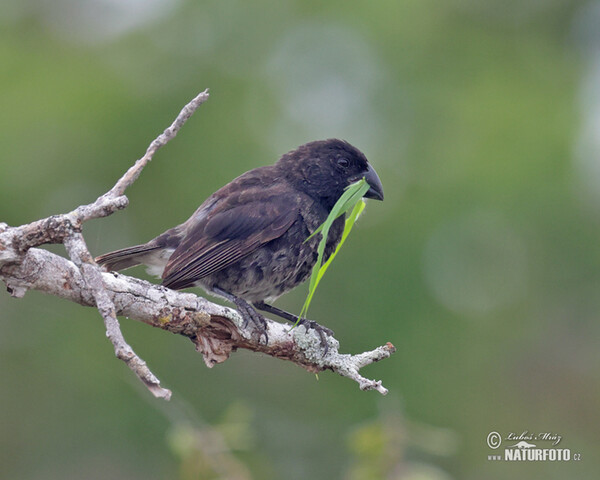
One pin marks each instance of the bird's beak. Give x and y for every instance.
(376, 190)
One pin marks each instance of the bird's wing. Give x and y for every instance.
(226, 236)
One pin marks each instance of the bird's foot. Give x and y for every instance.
(248, 313)
(257, 319)
(322, 331)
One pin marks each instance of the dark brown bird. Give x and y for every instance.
(247, 241)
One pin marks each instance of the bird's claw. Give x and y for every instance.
(247, 312)
(260, 324)
(322, 331)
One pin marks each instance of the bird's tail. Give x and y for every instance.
(126, 257)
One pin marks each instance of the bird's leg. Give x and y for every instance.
(247, 312)
(290, 317)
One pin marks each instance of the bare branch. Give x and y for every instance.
(15, 242)
(216, 331)
(92, 276)
(54, 229)
(134, 172)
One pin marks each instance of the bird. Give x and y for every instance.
(247, 242)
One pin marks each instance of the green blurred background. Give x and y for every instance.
(481, 266)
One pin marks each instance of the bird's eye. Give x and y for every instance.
(343, 162)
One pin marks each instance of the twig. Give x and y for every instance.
(92, 276)
(169, 134)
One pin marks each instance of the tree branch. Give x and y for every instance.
(215, 330)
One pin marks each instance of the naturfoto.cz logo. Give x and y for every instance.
(520, 447)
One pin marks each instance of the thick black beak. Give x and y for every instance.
(376, 190)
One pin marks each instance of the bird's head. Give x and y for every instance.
(323, 169)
